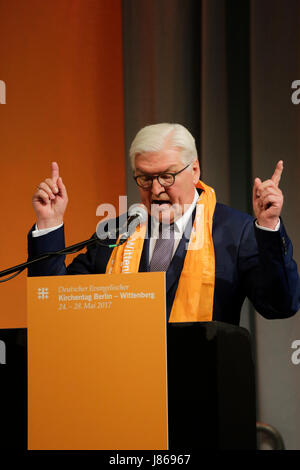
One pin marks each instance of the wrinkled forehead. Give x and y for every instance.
(164, 160)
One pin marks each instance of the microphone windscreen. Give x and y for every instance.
(140, 210)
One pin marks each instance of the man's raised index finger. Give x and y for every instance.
(54, 172)
(278, 172)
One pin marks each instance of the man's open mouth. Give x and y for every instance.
(159, 203)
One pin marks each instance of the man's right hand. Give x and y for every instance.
(50, 200)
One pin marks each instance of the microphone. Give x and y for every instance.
(137, 214)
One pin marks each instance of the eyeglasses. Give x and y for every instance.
(165, 179)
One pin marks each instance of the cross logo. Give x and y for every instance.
(43, 293)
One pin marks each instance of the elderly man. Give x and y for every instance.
(214, 256)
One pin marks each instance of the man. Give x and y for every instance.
(214, 256)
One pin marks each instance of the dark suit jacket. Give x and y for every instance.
(249, 262)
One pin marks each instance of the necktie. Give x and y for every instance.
(163, 249)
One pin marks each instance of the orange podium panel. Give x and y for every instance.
(97, 362)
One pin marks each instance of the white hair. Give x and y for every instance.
(156, 137)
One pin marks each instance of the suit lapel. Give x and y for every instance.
(144, 263)
(176, 265)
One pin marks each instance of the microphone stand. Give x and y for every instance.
(65, 251)
(69, 250)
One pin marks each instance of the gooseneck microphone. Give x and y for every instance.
(137, 214)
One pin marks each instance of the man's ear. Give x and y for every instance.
(196, 171)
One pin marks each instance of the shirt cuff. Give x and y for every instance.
(268, 229)
(44, 231)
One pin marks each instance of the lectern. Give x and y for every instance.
(97, 366)
(106, 371)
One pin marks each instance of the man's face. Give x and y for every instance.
(168, 204)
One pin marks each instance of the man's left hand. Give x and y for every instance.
(268, 199)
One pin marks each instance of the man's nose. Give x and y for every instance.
(157, 188)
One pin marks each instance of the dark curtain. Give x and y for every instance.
(162, 66)
(224, 69)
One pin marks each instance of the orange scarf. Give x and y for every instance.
(195, 292)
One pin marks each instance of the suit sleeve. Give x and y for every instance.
(268, 271)
(55, 266)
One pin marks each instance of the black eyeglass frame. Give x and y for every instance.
(153, 177)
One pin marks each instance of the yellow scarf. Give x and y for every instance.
(195, 292)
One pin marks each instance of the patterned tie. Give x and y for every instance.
(163, 249)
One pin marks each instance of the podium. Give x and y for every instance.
(120, 377)
(97, 366)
